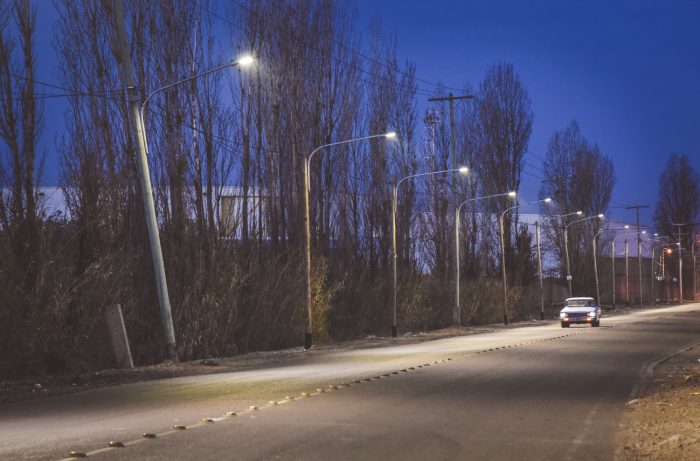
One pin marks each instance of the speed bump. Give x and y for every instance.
(148, 435)
(116, 444)
(207, 420)
(77, 454)
(179, 427)
(230, 413)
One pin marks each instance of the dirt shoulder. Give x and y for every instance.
(663, 421)
(48, 386)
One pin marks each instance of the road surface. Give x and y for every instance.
(541, 392)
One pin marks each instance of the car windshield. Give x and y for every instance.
(580, 303)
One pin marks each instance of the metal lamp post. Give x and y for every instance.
(150, 212)
(566, 246)
(458, 210)
(503, 253)
(394, 200)
(308, 333)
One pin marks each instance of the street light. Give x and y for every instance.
(566, 246)
(503, 253)
(308, 333)
(150, 212)
(457, 312)
(394, 200)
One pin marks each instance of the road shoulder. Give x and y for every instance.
(661, 422)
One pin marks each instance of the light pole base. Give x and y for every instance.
(307, 341)
(393, 331)
(172, 353)
(505, 319)
(541, 315)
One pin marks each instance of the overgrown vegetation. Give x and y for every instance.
(234, 260)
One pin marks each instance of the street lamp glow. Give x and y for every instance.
(601, 216)
(463, 170)
(579, 213)
(548, 200)
(512, 194)
(245, 61)
(391, 135)
(627, 226)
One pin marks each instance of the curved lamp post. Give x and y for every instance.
(566, 245)
(308, 333)
(394, 200)
(458, 313)
(150, 212)
(503, 253)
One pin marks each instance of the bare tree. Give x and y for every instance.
(578, 177)
(679, 203)
(505, 117)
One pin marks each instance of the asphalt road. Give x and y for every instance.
(541, 393)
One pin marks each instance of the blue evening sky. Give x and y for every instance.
(628, 71)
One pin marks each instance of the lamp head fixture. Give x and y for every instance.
(245, 61)
(463, 170)
(390, 135)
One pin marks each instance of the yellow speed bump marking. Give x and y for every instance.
(230, 413)
(148, 435)
(320, 391)
(77, 454)
(207, 420)
(252, 407)
(272, 402)
(116, 444)
(179, 427)
(304, 394)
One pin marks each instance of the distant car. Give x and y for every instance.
(580, 310)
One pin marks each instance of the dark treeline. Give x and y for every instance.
(234, 260)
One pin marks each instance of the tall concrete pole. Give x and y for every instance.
(639, 249)
(680, 263)
(539, 269)
(627, 270)
(566, 253)
(145, 182)
(308, 328)
(595, 269)
(456, 313)
(614, 281)
(394, 255)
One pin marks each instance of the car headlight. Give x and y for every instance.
(562, 315)
(591, 314)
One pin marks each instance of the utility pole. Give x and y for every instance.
(539, 269)
(456, 312)
(627, 270)
(680, 262)
(639, 247)
(614, 281)
(145, 180)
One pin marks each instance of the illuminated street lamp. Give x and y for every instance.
(503, 253)
(308, 333)
(150, 212)
(566, 246)
(394, 200)
(457, 310)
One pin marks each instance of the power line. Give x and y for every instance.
(417, 89)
